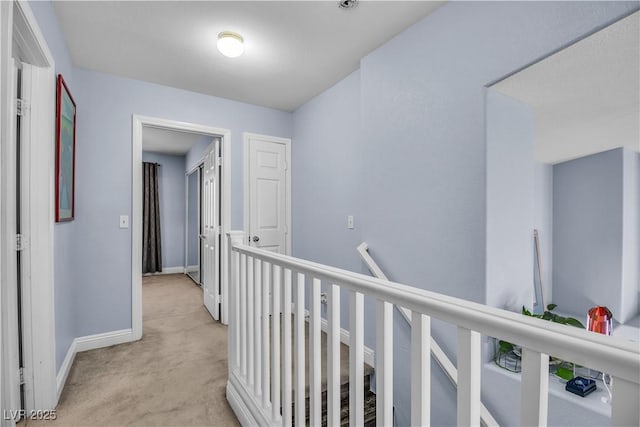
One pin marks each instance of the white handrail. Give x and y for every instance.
(608, 354)
(604, 353)
(438, 354)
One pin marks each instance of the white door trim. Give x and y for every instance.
(136, 206)
(247, 136)
(195, 169)
(37, 219)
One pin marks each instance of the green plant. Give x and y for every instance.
(506, 347)
(553, 317)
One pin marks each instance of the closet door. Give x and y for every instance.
(211, 230)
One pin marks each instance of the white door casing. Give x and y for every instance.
(136, 217)
(267, 192)
(211, 230)
(20, 36)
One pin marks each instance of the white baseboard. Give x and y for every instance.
(243, 404)
(92, 342)
(369, 354)
(167, 270)
(63, 373)
(191, 268)
(89, 342)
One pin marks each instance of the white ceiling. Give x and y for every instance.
(585, 98)
(168, 141)
(294, 50)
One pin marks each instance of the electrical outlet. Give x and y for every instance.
(350, 222)
(323, 298)
(124, 221)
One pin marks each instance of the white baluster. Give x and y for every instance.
(315, 357)
(535, 388)
(384, 364)
(625, 410)
(236, 292)
(234, 359)
(275, 343)
(250, 330)
(257, 293)
(266, 349)
(356, 359)
(243, 315)
(333, 356)
(286, 348)
(420, 369)
(300, 356)
(469, 364)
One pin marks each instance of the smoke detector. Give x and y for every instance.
(347, 4)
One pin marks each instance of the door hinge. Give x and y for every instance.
(21, 376)
(20, 243)
(217, 299)
(22, 105)
(219, 161)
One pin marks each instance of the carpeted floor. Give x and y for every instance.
(175, 376)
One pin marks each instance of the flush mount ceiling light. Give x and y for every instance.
(230, 44)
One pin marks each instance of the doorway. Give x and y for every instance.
(222, 163)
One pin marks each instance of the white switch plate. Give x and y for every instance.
(350, 222)
(124, 221)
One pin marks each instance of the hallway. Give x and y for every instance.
(176, 375)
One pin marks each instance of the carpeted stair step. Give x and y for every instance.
(369, 405)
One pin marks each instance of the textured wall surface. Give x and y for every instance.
(510, 203)
(421, 161)
(587, 238)
(64, 233)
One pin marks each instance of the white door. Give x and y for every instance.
(211, 230)
(268, 193)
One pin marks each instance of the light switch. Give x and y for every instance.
(350, 222)
(124, 221)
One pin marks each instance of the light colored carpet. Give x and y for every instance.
(175, 376)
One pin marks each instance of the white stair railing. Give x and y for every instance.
(436, 351)
(255, 403)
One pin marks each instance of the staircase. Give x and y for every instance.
(369, 403)
(267, 370)
(369, 396)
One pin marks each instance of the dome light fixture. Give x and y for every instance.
(230, 44)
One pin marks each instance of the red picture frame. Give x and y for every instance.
(65, 152)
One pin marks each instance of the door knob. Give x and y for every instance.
(256, 238)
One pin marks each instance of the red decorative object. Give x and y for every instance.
(600, 320)
(65, 152)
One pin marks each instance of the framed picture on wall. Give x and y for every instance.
(65, 152)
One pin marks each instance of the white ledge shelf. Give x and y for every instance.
(591, 403)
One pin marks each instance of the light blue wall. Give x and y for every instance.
(194, 156)
(64, 233)
(510, 203)
(106, 104)
(93, 256)
(587, 240)
(420, 165)
(172, 195)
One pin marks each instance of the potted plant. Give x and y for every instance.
(508, 355)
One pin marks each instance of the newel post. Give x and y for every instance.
(233, 279)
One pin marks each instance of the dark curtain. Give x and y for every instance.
(151, 248)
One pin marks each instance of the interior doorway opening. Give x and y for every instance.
(208, 152)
